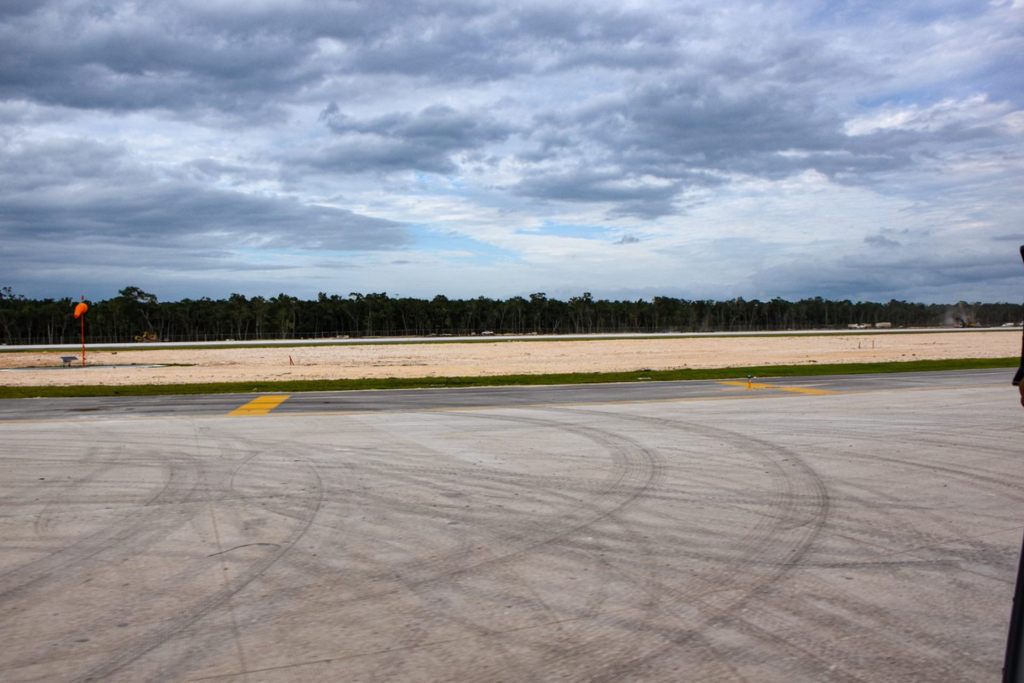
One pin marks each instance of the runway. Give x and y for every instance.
(860, 528)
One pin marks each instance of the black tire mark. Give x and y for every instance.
(770, 549)
(691, 638)
(156, 637)
(164, 511)
(44, 518)
(1007, 486)
(630, 477)
(923, 642)
(626, 483)
(650, 606)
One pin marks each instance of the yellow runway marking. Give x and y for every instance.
(795, 390)
(260, 406)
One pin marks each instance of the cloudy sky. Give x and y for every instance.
(631, 149)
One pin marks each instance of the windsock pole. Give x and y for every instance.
(80, 311)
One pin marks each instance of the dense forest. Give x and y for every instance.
(136, 314)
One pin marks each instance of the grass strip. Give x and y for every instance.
(295, 386)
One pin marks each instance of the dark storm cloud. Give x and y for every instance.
(77, 190)
(707, 108)
(13, 8)
(116, 56)
(237, 58)
(437, 125)
(632, 197)
(880, 240)
(926, 272)
(182, 215)
(689, 130)
(483, 42)
(423, 141)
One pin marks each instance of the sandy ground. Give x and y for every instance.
(494, 358)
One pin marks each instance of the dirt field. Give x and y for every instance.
(497, 358)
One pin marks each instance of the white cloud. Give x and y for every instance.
(715, 149)
(975, 111)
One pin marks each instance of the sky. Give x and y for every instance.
(631, 149)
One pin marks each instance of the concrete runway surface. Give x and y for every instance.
(827, 529)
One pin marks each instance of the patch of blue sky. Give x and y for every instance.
(441, 183)
(581, 231)
(1003, 81)
(450, 241)
(844, 13)
(931, 12)
(916, 97)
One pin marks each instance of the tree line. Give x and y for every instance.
(135, 313)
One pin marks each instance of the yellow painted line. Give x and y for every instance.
(808, 390)
(796, 390)
(260, 406)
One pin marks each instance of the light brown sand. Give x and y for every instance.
(499, 357)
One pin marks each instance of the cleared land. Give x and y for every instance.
(501, 357)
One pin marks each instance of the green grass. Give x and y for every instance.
(295, 386)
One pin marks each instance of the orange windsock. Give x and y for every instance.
(80, 310)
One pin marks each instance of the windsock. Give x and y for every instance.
(80, 310)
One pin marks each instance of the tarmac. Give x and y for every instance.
(858, 528)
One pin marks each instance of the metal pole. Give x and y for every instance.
(1012, 671)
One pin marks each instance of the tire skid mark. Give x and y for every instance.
(650, 606)
(922, 643)
(246, 451)
(630, 476)
(545, 546)
(164, 511)
(188, 616)
(889, 538)
(44, 519)
(643, 620)
(1004, 484)
(626, 482)
(109, 619)
(392, 502)
(672, 615)
(972, 549)
(637, 469)
(769, 547)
